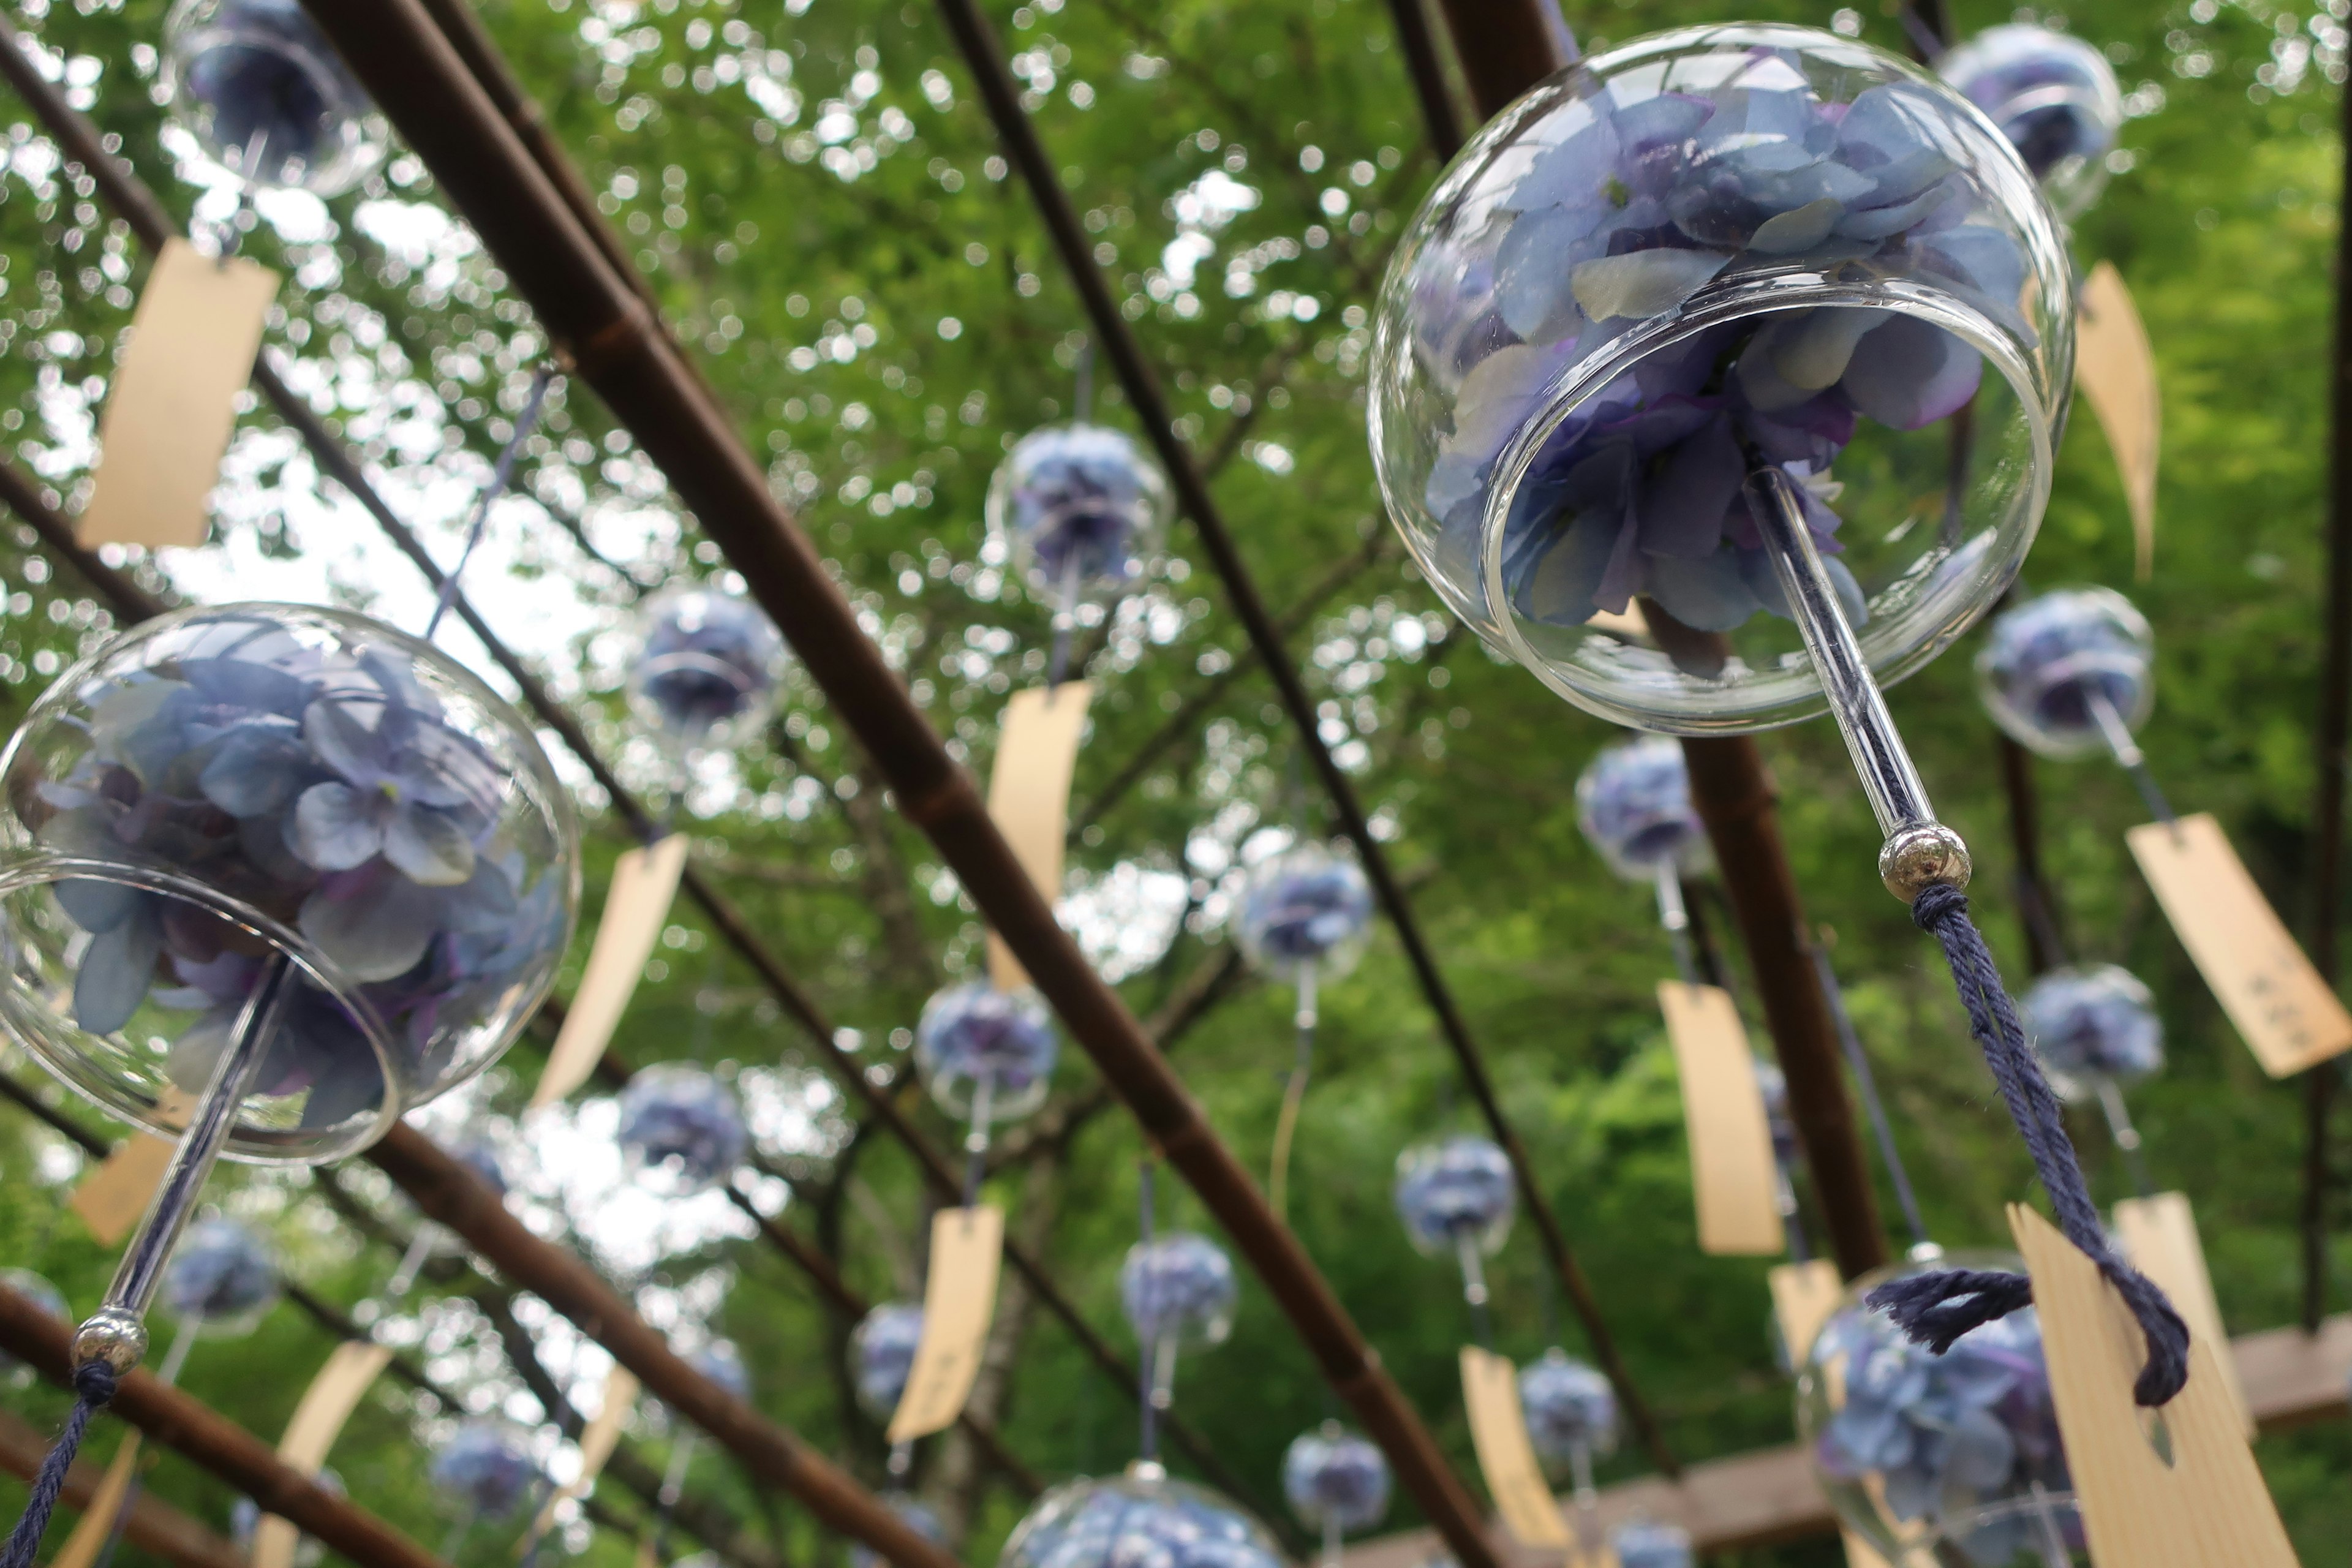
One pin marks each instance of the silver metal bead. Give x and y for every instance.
(113, 1335)
(1920, 856)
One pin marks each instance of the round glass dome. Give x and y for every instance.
(223, 1277)
(1456, 1189)
(1306, 906)
(1633, 803)
(2054, 96)
(710, 669)
(974, 1031)
(2093, 1021)
(1930, 1456)
(223, 785)
(1178, 1286)
(1702, 252)
(1141, 1518)
(1568, 1406)
(681, 1130)
(2045, 665)
(268, 98)
(882, 1354)
(485, 1469)
(1334, 1480)
(1080, 510)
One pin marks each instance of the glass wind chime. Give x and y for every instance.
(681, 1130)
(1178, 1292)
(2070, 674)
(1659, 331)
(484, 1473)
(2054, 96)
(987, 1058)
(1633, 804)
(1336, 1483)
(708, 674)
(1456, 1199)
(2096, 1028)
(1305, 914)
(1571, 1416)
(267, 98)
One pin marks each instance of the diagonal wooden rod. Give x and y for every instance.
(986, 57)
(122, 189)
(188, 1425)
(620, 349)
(1505, 48)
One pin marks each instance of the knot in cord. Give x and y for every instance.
(95, 1382)
(1936, 1309)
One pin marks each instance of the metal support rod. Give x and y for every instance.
(984, 54)
(620, 349)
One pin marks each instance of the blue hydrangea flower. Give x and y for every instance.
(42, 1294)
(271, 98)
(1954, 1441)
(1334, 1480)
(1642, 200)
(2054, 96)
(223, 1276)
(2045, 662)
(1080, 508)
(710, 667)
(1180, 1285)
(1643, 1544)
(1461, 1187)
(913, 1515)
(681, 1129)
(974, 1031)
(882, 1352)
(1141, 1520)
(723, 1363)
(485, 1470)
(1633, 803)
(1304, 906)
(2094, 1021)
(1567, 1407)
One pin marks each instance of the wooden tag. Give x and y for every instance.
(2159, 1237)
(96, 1527)
(1733, 1178)
(110, 1199)
(325, 1406)
(2115, 369)
(1803, 1296)
(1029, 795)
(174, 403)
(959, 1305)
(1498, 1431)
(2207, 1509)
(597, 1441)
(637, 907)
(2289, 1016)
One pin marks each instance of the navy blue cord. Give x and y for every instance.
(95, 1382)
(1936, 1309)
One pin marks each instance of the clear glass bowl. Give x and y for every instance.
(1080, 509)
(1934, 1458)
(268, 98)
(1633, 803)
(681, 1130)
(1708, 248)
(2093, 1021)
(882, 1352)
(219, 786)
(223, 1277)
(2054, 96)
(1139, 1520)
(1306, 906)
(1180, 1285)
(1568, 1406)
(1461, 1187)
(710, 669)
(485, 1469)
(1334, 1480)
(2044, 661)
(973, 1031)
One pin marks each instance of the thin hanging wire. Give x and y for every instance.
(1867, 1083)
(1147, 1447)
(500, 474)
(2128, 756)
(1294, 1095)
(1674, 915)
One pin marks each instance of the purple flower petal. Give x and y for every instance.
(335, 827)
(1707, 592)
(1908, 373)
(342, 743)
(1799, 229)
(428, 846)
(1683, 502)
(117, 968)
(1561, 588)
(1642, 283)
(376, 929)
(258, 769)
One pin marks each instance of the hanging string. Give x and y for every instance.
(2128, 756)
(975, 1142)
(1083, 400)
(2125, 1135)
(1293, 1094)
(1867, 1082)
(1146, 1445)
(1065, 620)
(168, 1375)
(500, 473)
(1937, 1307)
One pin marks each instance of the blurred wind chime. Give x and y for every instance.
(1622, 346)
(321, 858)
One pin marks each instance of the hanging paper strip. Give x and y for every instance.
(2206, 1507)
(597, 1441)
(318, 1420)
(111, 1198)
(959, 1305)
(2115, 369)
(1498, 1431)
(637, 907)
(173, 402)
(96, 1526)
(2288, 1015)
(2159, 1237)
(1029, 795)
(1733, 1179)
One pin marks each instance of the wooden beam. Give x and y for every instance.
(154, 1525)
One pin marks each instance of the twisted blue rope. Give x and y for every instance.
(1937, 1307)
(95, 1382)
